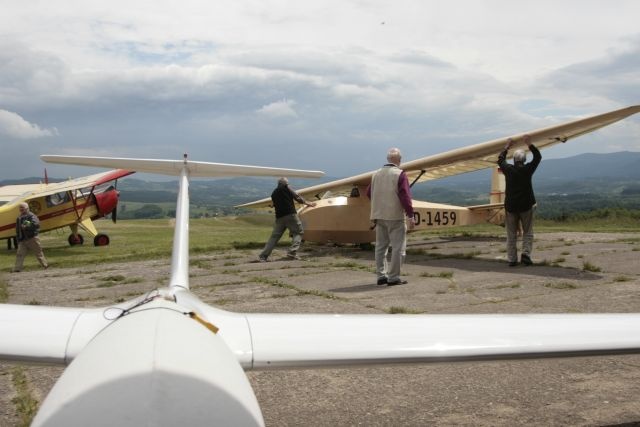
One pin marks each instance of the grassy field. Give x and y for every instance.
(148, 239)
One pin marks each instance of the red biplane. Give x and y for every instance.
(73, 203)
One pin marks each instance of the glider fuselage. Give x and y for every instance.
(346, 219)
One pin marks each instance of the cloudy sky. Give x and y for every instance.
(324, 85)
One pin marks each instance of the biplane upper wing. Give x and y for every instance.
(467, 159)
(8, 193)
(18, 193)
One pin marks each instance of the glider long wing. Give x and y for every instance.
(467, 159)
(284, 341)
(272, 341)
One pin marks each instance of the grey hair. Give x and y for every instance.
(283, 181)
(519, 156)
(394, 154)
(24, 205)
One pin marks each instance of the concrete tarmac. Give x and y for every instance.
(573, 273)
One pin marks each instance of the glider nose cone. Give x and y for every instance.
(154, 367)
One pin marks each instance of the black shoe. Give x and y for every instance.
(513, 263)
(397, 282)
(382, 281)
(525, 259)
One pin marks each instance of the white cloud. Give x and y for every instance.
(14, 126)
(222, 80)
(278, 109)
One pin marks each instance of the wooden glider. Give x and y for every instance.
(341, 214)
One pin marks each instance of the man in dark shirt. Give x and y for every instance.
(286, 218)
(519, 199)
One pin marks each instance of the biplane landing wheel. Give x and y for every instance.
(101, 240)
(76, 240)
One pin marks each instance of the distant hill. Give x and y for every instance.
(623, 165)
(562, 186)
(580, 182)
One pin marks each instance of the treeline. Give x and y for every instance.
(613, 214)
(581, 206)
(155, 211)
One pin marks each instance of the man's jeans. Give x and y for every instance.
(512, 221)
(294, 225)
(389, 233)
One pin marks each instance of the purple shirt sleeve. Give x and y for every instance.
(404, 194)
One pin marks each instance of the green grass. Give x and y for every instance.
(587, 266)
(592, 225)
(4, 290)
(26, 405)
(561, 285)
(401, 310)
(135, 240)
(442, 274)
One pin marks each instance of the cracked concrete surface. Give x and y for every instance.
(574, 273)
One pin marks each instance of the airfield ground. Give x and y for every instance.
(575, 273)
